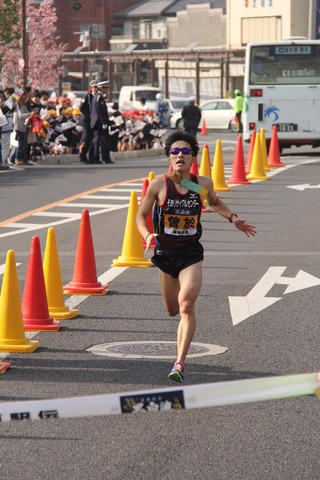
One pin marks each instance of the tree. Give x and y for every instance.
(44, 49)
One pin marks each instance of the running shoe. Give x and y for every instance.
(177, 372)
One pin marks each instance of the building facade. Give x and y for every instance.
(262, 20)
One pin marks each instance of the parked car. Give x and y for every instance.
(218, 114)
(174, 107)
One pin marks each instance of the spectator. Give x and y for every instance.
(20, 116)
(99, 122)
(161, 107)
(116, 122)
(191, 115)
(86, 146)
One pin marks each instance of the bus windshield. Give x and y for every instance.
(285, 65)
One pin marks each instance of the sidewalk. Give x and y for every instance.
(68, 159)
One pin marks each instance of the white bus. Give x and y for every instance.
(282, 88)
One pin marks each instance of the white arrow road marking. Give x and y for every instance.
(301, 281)
(2, 267)
(303, 186)
(244, 307)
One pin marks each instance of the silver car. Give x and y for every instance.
(218, 114)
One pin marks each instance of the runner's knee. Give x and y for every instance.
(186, 307)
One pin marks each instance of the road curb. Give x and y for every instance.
(71, 159)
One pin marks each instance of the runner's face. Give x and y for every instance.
(181, 162)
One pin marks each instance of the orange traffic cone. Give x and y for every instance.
(34, 301)
(12, 334)
(257, 171)
(194, 167)
(170, 169)
(264, 150)
(251, 148)
(238, 174)
(218, 177)
(4, 367)
(84, 281)
(132, 248)
(149, 217)
(204, 128)
(274, 151)
(52, 277)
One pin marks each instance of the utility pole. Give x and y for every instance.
(24, 43)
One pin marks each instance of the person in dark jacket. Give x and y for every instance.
(87, 133)
(191, 115)
(99, 123)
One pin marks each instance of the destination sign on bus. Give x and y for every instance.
(293, 50)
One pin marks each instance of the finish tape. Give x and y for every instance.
(194, 396)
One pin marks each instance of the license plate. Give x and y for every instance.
(286, 127)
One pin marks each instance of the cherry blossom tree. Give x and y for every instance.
(44, 48)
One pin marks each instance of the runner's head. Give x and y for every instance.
(184, 136)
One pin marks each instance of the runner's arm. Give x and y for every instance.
(222, 209)
(144, 210)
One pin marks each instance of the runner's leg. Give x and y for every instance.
(170, 290)
(190, 285)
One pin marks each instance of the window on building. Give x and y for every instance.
(148, 29)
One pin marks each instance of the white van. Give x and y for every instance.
(130, 95)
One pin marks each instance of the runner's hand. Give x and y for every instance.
(247, 228)
(149, 239)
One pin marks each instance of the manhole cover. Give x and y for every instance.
(151, 349)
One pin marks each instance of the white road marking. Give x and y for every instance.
(242, 308)
(301, 281)
(303, 187)
(108, 197)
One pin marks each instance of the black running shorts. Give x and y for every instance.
(173, 261)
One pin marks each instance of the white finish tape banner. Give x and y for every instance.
(195, 396)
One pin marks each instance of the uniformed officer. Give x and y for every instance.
(99, 123)
(87, 134)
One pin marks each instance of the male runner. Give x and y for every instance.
(178, 253)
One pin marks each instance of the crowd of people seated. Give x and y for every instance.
(35, 123)
(140, 129)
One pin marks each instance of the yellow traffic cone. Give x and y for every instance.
(52, 277)
(205, 171)
(151, 177)
(12, 334)
(257, 171)
(218, 177)
(264, 150)
(132, 248)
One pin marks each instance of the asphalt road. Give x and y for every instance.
(275, 439)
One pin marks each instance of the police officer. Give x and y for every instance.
(99, 123)
(87, 134)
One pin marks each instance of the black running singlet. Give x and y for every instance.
(177, 220)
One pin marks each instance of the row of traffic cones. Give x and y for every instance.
(258, 162)
(43, 305)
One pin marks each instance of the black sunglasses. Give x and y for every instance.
(184, 150)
